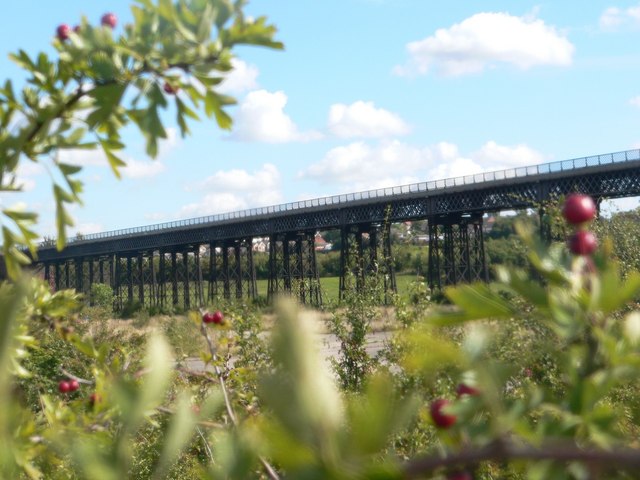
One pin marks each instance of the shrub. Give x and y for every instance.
(101, 295)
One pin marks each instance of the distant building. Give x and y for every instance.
(321, 245)
(260, 245)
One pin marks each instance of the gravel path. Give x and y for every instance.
(328, 344)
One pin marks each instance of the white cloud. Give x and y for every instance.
(85, 229)
(363, 119)
(231, 190)
(614, 17)
(359, 166)
(135, 168)
(496, 157)
(359, 163)
(143, 168)
(241, 79)
(261, 118)
(485, 40)
(635, 101)
(84, 158)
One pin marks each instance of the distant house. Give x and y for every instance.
(260, 245)
(321, 245)
(488, 223)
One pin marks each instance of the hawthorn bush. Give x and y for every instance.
(533, 376)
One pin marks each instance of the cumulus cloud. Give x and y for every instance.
(359, 166)
(85, 229)
(135, 169)
(261, 118)
(614, 17)
(359, 161)
(485, 40)
(635, 101)
(231, 190)
(242, 78)
(363, 119)
(143, 168)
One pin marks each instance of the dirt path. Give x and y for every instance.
(328, 345)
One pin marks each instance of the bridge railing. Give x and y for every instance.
(434, 185)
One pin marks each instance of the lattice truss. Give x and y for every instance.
(366, 255)
(456, 251)
(187, 274)
(293, 268)
(231, 272)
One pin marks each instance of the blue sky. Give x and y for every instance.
(367, 93)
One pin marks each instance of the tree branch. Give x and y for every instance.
(227, 401)
(500, 451)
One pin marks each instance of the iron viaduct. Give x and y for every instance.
(190, 262)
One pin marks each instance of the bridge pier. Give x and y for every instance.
(360, 257)
(456, 250)
(231, 269)
(293, 268)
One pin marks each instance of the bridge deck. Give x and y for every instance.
(610, 175)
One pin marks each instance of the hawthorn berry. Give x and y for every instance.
(170, 89)
(464, 389)
(74, 385)
(63, 32)
(94, 398)
(109, 20)
(583, 242)
(218, 318)
(441, 419)
(64, 386)
(578, 208)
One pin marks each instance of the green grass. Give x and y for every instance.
(331, 287)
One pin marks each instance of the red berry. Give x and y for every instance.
(464, 389)
(94, 398)
(578, 208)
(207, 317)
(63, 32)
(441, 419)
(168, 88)
(109, 20)
(218, 318)
(64, 386)
(73, 385)
(583, 242)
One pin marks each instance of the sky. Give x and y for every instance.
(366, 93)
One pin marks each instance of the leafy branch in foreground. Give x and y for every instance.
(172, 53)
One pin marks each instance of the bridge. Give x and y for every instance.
(191, 262)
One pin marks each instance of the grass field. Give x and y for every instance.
(331, 286)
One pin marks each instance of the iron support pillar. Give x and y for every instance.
(456, 250)
(293, 268)
(360, 259)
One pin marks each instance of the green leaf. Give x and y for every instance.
(176, 437)
(114, 161)
(213, 106)
(67, 169)
(474, 302)
(106, 99)
(615, 293)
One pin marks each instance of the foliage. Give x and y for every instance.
(101, 295)
(623, 229)
(351, 325)
(549, 361)
(101, 82)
